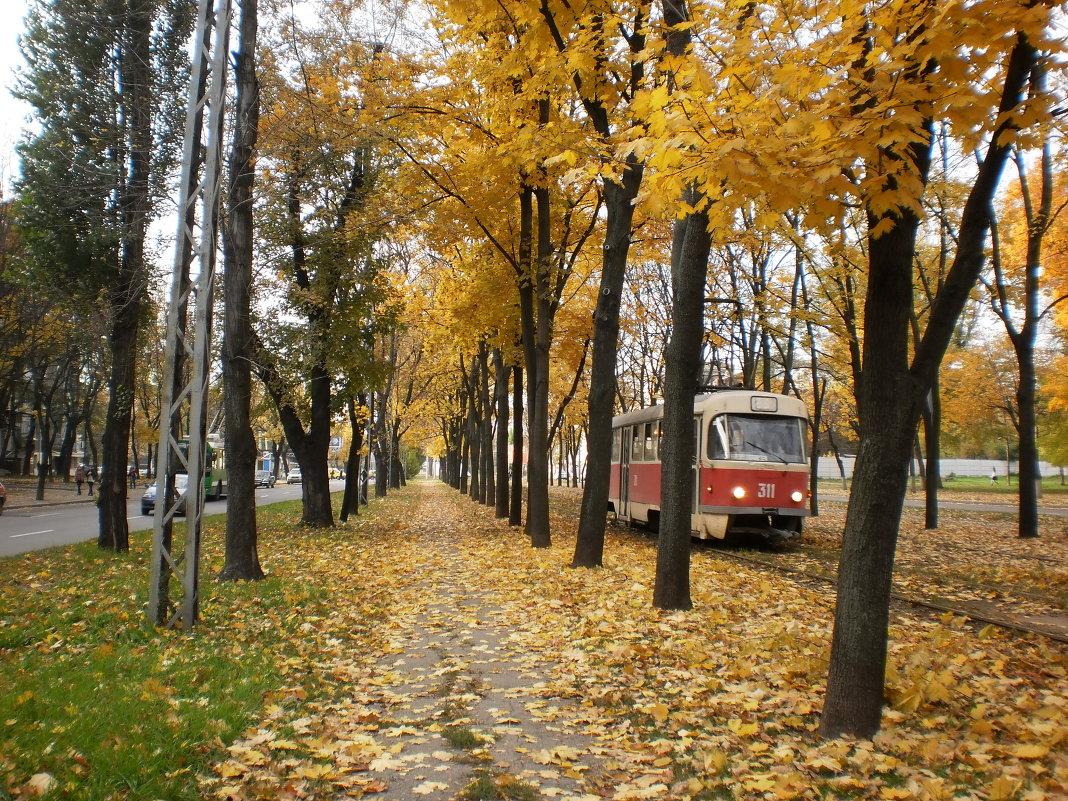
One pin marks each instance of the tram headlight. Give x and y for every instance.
(797, 496)
(738, 492)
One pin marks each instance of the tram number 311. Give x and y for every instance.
(765, 490)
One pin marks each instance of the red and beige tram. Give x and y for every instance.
(750, 472)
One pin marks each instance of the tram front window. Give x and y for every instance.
(757, 438)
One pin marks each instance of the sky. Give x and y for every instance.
(12, 112)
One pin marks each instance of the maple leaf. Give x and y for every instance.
(428, 787)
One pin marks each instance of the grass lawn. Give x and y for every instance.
(99, 705)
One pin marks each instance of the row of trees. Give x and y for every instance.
(503, 226)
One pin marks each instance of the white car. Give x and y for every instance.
(294, 476)
(148, 500)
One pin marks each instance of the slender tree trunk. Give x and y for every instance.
(1027, 425)
(486, 497)
(242, 557)
(537, 522)
(932, 434)
(515, 505)
(619, 220)
(689, 263)
(474, 430)
(500, 388)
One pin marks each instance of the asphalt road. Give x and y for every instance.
(33, 528)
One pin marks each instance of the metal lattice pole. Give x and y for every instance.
(185, 387)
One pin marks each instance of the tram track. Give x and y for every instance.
(940, 606)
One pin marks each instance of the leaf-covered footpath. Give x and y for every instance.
(499, 672)
(424, 650)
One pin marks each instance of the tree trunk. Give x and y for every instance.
(889, 400)
(126, 295)
(619, 220)
(351, 500)
(474, 429)
(537, 522)
(515, 505)
(932, 434)
(242, 560)
(1027, 425)
(689, 263)
(500, 389)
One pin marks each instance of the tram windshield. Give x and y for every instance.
(757, 438)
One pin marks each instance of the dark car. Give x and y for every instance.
(148, 500)
(265, 478)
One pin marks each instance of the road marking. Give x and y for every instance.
(31, 533)
(47, 514)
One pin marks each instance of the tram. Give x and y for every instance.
(751, 471)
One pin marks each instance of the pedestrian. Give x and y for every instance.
(133, 476)
(79, 477)
(90, 478)
(993, 475)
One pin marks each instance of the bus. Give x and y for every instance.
(751, 465)
(215, 483)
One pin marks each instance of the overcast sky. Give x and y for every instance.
(12, 112)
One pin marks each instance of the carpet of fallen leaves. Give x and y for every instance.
(493, 670)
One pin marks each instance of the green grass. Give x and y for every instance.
(115, 709)
(486, 786)
(461, 737)
(1051, 485)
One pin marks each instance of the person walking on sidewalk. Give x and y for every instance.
(90, 477)
(79, 477)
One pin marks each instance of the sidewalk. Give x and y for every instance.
(22, 492)
(461, 702)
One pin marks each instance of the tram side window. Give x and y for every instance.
(636, 449)
(650, 443)
(717, 438)
(615, 444)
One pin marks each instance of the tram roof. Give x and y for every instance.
(722, 400)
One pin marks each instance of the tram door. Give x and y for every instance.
(695, 473)
(624, 470)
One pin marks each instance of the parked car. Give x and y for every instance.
(265, 478)
(3, 498)
(294, 476)
(148, 500)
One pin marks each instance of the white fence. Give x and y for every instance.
(828, 467)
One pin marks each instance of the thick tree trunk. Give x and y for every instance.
(351, 500)
(242, 560)
(689, 263)
(889, 400)
(315, 482)
(126, 295)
